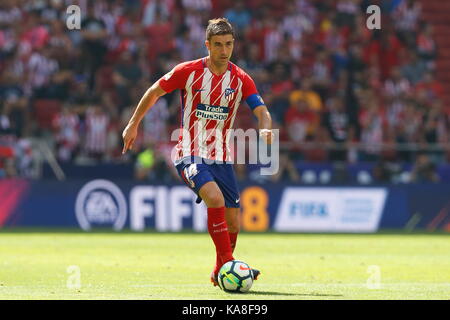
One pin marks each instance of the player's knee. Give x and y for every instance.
(215, 200)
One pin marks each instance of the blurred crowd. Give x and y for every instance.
(336, 90)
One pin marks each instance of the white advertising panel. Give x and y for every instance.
(330, 209)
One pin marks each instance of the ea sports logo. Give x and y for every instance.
(101, 203)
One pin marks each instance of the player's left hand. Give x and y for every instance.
(266, 135)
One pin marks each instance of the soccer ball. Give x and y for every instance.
(235, 276)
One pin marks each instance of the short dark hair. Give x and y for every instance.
(218, 27)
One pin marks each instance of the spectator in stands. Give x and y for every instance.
(296, 21)
(93, 31)
(280, 87)
(426, 45)
(155, 126)
(346, 12)
(406, 18)
(197, 5)
(61, 44)
(23, 153)
(126, 74)
(7, 168)
(307, 93)
(154, 7)
(322, 45)
(81, 95)
(35, 34)
(436, 125)
(334, 39)
(66, 126)
(96, 132)
(184, 44)
(381, 172)
(321, 74)
(238, 16)
(397, 85)
(145, 162)
(388, 51)
(372, 124)
(272, 39)
(160, 37)
(151, 166)
(10, 13)
(424, 170)
(432, 89)
(336, 121)
(40, 68)
(415, 69)
(318, 149)
(5, 123)
(57, 88)
(408, 130)
(15, 105)
(301, 122)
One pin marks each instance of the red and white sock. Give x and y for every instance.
(218, 230)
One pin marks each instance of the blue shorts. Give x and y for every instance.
(195, 175)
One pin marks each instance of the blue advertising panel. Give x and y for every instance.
(125, 204)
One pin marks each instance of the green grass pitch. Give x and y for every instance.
(36, 265)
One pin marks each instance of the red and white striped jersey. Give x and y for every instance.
(97, 124)
(209, 104)
(66, 128)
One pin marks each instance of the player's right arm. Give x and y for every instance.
(147, 101)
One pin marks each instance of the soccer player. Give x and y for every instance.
(211, 91)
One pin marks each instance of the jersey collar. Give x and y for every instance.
(230, 67)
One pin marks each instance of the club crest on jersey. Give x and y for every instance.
(229, 93)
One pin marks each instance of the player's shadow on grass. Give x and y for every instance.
(272, 293)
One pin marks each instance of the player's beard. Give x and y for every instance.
(221, 61)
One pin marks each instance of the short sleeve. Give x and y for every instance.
(174, 79)
(250, 94)
(248, 87)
